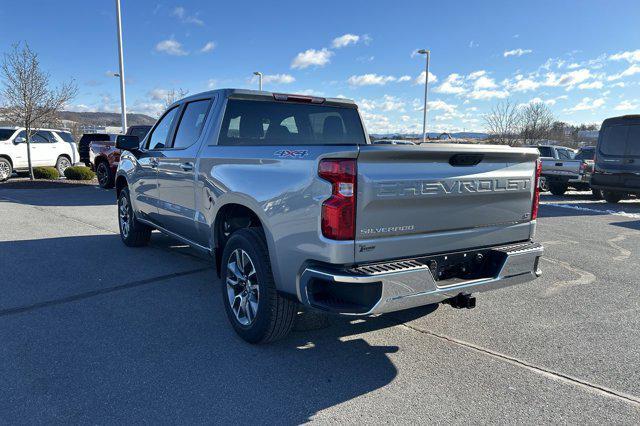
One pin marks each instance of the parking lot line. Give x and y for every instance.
(98, 292)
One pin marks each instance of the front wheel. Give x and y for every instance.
(5, 169)
(132, 232)
(106, 179)
(257, 312)
(62, 164)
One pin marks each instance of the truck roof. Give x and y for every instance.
(623, 119)
(266, 96)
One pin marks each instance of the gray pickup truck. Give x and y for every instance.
(563, 168)
(297, 207)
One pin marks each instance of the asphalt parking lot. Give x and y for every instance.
(94, 332)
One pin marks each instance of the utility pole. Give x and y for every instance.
(123, 102)
(426, 87)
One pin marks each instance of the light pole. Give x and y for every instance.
(426, 84)
(259, 74)
(123, 102)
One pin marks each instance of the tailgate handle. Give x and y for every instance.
(465, 160)
(559, 164)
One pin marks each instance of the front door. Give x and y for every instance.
(176, 172)
(145, 183)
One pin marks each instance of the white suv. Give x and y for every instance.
(49, 147)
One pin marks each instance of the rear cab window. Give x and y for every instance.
(65, 136)
(5, 134)
(258, 122)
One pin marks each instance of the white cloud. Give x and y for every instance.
(212, 83)
(630, 56)
(452, 85)
(516, 52)
(586, 104)
(370, 80)
(420, 79)
(171, 47)
(591, 85)
(627, 106)
(488, 94)
(345, 40)
(208, 47)
(573, 66)
(311, 57)
(275, 78)
(569, 79)
(632, 70)
(476, 74)
(523, 84)
(404, 78)
(181, 13)
(391, 103)
(484, 82)
(440, 105)
(158, 94)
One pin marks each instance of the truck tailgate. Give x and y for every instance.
(441, 197)
(554, 167)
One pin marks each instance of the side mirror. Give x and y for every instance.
(127, 142)
(19, 139)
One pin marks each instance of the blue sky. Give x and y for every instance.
(580, 57)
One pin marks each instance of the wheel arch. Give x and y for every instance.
(8, 158)
(229, 218)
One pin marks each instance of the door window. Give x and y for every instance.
(160, 135)
(191, 123)
(36, 137)
(633, 141)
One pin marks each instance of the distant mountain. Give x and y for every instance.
(105, 118)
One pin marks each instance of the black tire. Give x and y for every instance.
(274, 314)
(106, 179)
(612, 196)
(596, 194)
(5, 169)
(62, 163)
(558, 188)
(137, 234)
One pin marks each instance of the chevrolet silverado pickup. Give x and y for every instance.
(297, 207)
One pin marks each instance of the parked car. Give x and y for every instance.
(298, 208)
(84, 146)
(561, 169)
(104, 156)
(617, 164)
(48, 148)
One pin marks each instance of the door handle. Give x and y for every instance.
(187, 167)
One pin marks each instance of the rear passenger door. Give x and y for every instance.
(176, 171)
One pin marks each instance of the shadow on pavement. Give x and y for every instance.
(163, 351)
(62, 195)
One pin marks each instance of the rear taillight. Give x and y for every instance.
(536, 191)
(338, 219)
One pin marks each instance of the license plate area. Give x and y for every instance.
(453, 268)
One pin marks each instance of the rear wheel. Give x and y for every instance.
(596, 194)
(132, 232)
(612, 196)
(257, 312)
(62, 164)
(106, 179)
(5, 169)
(558, 188)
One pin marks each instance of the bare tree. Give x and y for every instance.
(502, 123)
(174, 95)
(537, 120)
(29, 99)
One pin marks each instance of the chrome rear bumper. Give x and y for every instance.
(410, 283)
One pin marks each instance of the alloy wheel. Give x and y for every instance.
(4, 171)
(103, 174)
(242, 287)
(123, 216)
(63, 164)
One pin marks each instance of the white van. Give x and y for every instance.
(49, 147)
